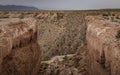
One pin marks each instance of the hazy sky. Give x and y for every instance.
(65, 4)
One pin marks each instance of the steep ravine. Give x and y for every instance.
(61, 36)
(70, 44)
(61, 33)
(99, 56)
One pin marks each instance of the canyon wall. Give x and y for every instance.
(103, 46)
(19, 51)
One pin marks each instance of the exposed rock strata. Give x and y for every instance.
(19, 50)
(104, 47)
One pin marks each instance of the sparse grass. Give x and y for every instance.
(46, 58)
(4, 17)
(21, 17)
(43, 68)
(65, 57)
(118, 34)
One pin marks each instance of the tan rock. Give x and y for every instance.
(104, 49)
(19, 51)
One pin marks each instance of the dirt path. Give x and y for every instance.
(59, 58)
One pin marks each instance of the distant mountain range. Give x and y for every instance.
(17, 7)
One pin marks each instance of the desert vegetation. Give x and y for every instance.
(118, 34)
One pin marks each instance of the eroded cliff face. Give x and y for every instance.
(19, 51)
(103, 46)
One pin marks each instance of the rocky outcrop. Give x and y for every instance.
(19, 51)
(104, 47)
